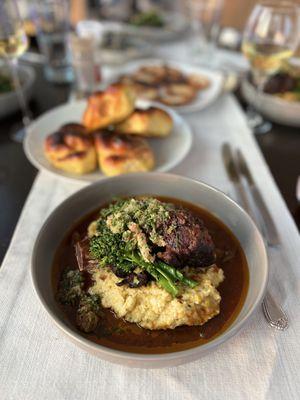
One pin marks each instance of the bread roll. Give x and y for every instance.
(70, 150)
(153, 122)
(176, 94)
(174, 75)
(121, 154)
(145, 92)
(199, 82)
(149, 74)
(108, 107)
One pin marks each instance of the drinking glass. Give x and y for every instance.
(13, 43)
(115, 10)
(204, 16)
(53, 27)
(270, 37)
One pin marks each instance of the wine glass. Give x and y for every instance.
(270, 38)
(204, 17)
(13, 43)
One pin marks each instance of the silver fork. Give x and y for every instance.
(274, 314)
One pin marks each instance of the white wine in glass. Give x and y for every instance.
(13, 43)
(266, 58)
(270, 37)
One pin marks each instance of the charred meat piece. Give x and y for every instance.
(280, 83)
(188, 242)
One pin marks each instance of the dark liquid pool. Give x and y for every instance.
(119, 334)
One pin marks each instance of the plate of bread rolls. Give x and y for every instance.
(108, 134)
(184, 87)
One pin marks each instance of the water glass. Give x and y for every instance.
(86, 65)
(53, 27)
(204, 16)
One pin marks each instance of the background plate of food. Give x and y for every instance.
(149, 270)
(109, 134)
(280, 101)
(183, 87)
(156, 26)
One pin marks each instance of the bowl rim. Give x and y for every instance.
(124, 355)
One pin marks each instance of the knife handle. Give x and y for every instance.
(269, 228)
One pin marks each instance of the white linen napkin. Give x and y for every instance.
(38, 362)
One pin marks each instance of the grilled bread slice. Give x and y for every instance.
(122, 154)
(108, 107)
(70, 150)
(153, 122)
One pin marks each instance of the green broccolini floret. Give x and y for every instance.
(109, 248)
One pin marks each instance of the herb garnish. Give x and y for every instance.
(111, 247)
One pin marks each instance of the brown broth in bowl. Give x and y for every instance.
(118, 334)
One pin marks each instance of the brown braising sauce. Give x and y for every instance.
(118, 334)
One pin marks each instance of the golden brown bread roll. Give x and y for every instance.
(176, 94)
(198, 82)
(153, 122)
(149, 74)
(145, 92)
(71, 150)
(108, 107)
(174, 75)
(73, 128)
(121, 154)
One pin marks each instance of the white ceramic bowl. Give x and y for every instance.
(91, 197)
(9, 101)
(272, 107)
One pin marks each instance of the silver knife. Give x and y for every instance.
(234, 175)
(270, 231)
(273, 313)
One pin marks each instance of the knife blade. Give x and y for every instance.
(234, 175)
(270, 230)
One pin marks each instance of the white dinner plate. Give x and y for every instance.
(272, 107)
(168, 152)
(203, 99)
(175, 24)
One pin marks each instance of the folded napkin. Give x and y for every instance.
(38, 362)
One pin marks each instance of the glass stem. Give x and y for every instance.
(26, 117)
(260, 79)
(255, 120)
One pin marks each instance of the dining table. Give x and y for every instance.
(280, 148)
(260, 363)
